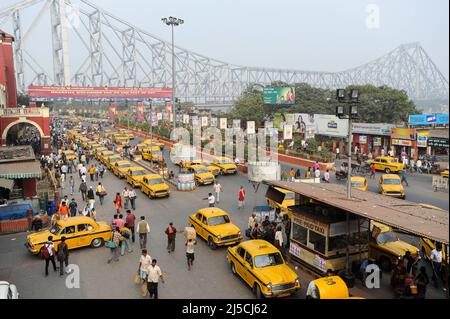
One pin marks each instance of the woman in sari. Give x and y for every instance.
(118, 202)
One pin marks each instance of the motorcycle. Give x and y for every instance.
(341, 175)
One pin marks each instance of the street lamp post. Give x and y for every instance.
(352, 111)
(172, 21)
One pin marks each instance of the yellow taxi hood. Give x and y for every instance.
(159, 187)
(227, 166)
(225, 229)
(205, 175)
(400, 248)
(276, 275)
(104, 225)
(39, 237)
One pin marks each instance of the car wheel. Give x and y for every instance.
(233, 269)
(385, 264)
(97, 242)
(387, 170)
(257, 291)
(211, 244)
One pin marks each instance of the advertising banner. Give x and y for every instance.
(204, 121)
(159, 116)
(304, 124)
(331, 125)
(213, 122)
(223, 123)
(428, 119)
(251, 127)
(362, 139)
(377, 141)
(422, 139)
(140, 112)
(372, 128)
(438, 142)
(279, 96)
(403, 133)
(236, 124)
(186, 119)
(288, 132)
(58, 93)
(195, 120)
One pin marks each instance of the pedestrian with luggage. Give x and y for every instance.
(101, 192)
(130, 223)
(114, 244)
(48, 253)
(63, 256)
(190, 252)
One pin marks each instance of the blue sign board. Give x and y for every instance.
(428, 119)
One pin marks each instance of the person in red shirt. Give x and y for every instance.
(372, 171)
(241, 197)
(130, 223)
(63, 211)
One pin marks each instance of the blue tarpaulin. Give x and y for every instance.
(17, 211)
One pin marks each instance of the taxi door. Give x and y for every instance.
(248, 269)
(84, 233)
(72, 239)
(240, 262)
(199, 225)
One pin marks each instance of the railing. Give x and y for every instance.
(19, 111)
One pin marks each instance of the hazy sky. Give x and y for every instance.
(323, 35)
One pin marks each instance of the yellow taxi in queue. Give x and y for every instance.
(226, 166)
(80, 231)
(360, 183)
(120, 168)
(201, 175)
(391, 185)
(213, 169)
(70, 155)
(152, 153)
(154, 186)
(262, 267)
(98, 150)
(386, 247)
(134, 175)
(387, 164)
(444, 173)
(112, 159)
(92, 145)
(214, 226)
(102, 156)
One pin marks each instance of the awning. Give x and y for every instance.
(6, 183)
(20, 170)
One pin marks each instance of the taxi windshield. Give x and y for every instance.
(115, 159)
(155, 181)
(267, 260)
(224, 161)
(218, 220)
(55, 229)
(391, 181)
(139, 173)
(386, 237)
(394, 160)
(358, 184)
(124, 165)
(200, 170)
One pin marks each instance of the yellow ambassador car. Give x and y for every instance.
(214, 226)
(387, 164)
(97, 150)
(70, 155)
(360, 183)
(120, 168)
(391, 185)
(113, 159)
(444, 173)
(262, 267)
(288, 200)
(201, 174)
(427, 245)
(332, 287)
(226, 166)
(152, 153)
(211, 168)
(154, 186)
(79, 231)
(386, 247)
(103, 156)
(134, 175)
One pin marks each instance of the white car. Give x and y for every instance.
(8, 291)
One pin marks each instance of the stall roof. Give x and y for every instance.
(6, 183)
(408, 216)
(20, 170)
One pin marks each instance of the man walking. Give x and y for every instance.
(403, 177)
(190, 252)
(436, 262)
(91, 197)
(132, 196)
(144, 262)
(71, 185)
(372, 171)
(83, 189)
(101, 192)
(63, 256)
(153, 275)
(171, 233)
(211, 199)
(126, 197)
(129, 223)
(73, 207)
(48, 253)
(143, 229)
(241, 197)
(92, 172)
(217, 190)
(101, 170)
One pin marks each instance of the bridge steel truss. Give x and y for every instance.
(118, 53)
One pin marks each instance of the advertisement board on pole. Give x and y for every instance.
(213, 122)
(428, 119)
(279, 95)
(331, 125)
(185, 118)
(237, 124)
(251, 127)
(204, 121)
(223, 123)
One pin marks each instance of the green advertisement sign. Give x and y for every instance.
(279, 95)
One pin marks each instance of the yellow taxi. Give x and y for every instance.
(360, 183)
(152, 153)
(154, 142)
(444, 173)
(262, 267)
(201, 174)
(386, 247)
(154, 186)
(226, 166)
(211, 168)
(79, 231)
(391, 185)
(93, 145)
(127, 134)
(289, 200)
(331, 287)
(214, 226)
(120, 168)
(103, 156)
(113, 159)
(387, 164)
(134, 175)
(98, 150)
(427, 245)
(70, 155)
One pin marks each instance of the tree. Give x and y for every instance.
(249, 107)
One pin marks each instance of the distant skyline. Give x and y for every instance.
(320, 35)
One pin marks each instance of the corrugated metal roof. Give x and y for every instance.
(408, 216)
(20, 170)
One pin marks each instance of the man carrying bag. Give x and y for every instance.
(63, 256)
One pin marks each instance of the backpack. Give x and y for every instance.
(45, 254)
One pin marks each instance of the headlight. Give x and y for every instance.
(219, 237)
(239, 233)
(297, 280)
(269, 286)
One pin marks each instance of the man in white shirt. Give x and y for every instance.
(153, 275)
(436, 262)
(317, 176)
(211, 200)
(49, 254)
(144, 262)
(383, 152)
(279, 238)
(217, 190)
(252, 220)
(326, 176)
(83, 170)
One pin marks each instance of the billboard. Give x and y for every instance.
(279, 95)
(76, 93)
(331, 125)
(428, 119)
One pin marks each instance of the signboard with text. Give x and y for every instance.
(428, 119)
(279, 95)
